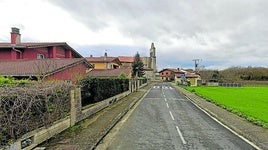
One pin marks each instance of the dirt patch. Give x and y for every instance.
(85, 134)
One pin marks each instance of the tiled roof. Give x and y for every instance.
(176, 71)
(192, 75)
(189, 75)
(109, 72)
(40, 44)
(100, 59)
(36, 67)
(125, 59)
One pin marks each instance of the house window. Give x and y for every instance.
(40, 56)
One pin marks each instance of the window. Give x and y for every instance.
(40, 56)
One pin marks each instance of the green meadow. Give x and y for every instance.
(248, 102)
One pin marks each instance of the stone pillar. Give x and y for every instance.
(76, 105)
(130, 85)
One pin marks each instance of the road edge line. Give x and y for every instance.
(222, 124)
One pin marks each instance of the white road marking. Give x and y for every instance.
(180, 134)
(225, 126)
(165, 99)
(164, 95)
(171, 115)
(167, 105)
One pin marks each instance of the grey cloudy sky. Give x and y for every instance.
(223, 33)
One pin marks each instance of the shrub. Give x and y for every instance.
(9, 81)
(97, 89)
(25, 108)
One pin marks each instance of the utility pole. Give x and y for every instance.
(196, 63)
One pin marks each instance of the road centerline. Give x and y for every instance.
(167, 105)
(172, 117)
(180, 134)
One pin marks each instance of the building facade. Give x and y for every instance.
(104, 62)
(29, 50)
(46, 69)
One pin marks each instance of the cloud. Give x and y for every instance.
(221, 33)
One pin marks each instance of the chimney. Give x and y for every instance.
(15, 35)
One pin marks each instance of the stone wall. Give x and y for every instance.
(36, 137)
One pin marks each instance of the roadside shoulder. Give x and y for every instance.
(256, 134)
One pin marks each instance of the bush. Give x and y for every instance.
(9, 82)
(23, 109)
(97, 89)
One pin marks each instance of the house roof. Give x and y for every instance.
(41, 44)
(103, 59)
(176, 71)
(189, 75)
(109, 72)
(126, 59)
(37, 67)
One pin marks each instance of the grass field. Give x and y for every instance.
(248, 102)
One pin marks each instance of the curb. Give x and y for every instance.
(118, 119)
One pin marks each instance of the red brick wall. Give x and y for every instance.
(60, 52)
(5, 54)
(72, 73)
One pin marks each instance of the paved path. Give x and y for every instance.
(165, 119)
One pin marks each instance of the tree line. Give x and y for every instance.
(236, 74)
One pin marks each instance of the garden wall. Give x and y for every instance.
(36, 137)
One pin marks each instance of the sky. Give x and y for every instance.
(220, 33)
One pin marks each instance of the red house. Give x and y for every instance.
(41, 61)
(168, 74)
(17, 50)
(46, 69)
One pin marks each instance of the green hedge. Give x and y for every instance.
(97, 89)
(9, 82)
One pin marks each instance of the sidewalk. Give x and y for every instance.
(87, 133)
(254, 133)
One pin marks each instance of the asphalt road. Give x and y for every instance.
(164, 119)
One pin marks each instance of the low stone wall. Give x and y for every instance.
(100, 105)
(33, 138)
(36, 137)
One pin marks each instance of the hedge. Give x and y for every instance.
(95, 89)
(26, 108)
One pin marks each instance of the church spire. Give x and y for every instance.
(152, 51)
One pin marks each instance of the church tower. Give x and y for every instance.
(153, 58)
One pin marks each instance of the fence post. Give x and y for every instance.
(136, 85)
(75, 94)
(130, 85)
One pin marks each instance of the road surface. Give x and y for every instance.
(167, 120)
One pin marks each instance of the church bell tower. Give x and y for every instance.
(153, 58)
